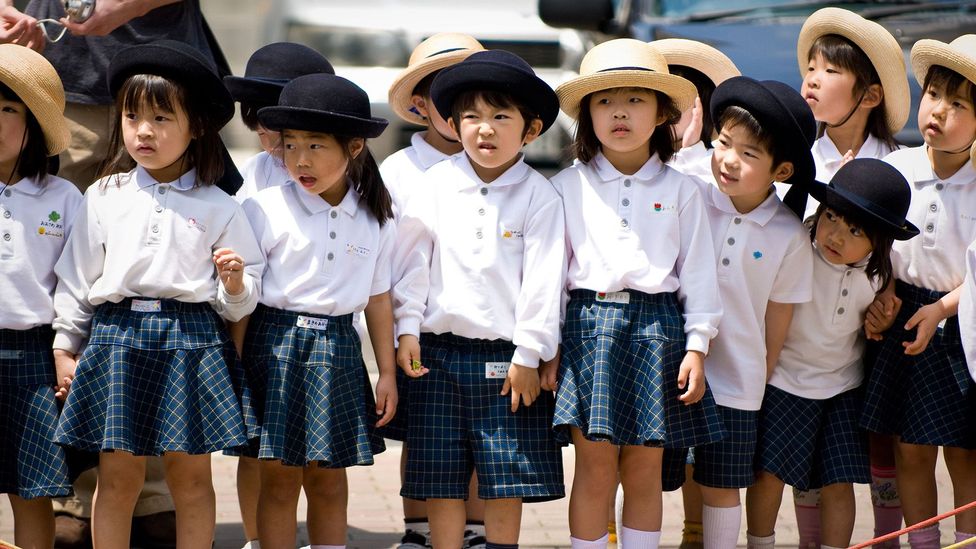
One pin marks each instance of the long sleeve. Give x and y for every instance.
(698, 280)
(80, 264)
(238, 236)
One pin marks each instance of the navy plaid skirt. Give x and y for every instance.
(31, 464)
(925, 399)
(459, 421)
(155, 382)
(315, 400)
(618, 378)
(812, 443)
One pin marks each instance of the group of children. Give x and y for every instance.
(656, 304)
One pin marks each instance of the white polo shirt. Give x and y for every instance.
(35, 221)
(944, 210)
(695, 161)
(763, 256)
(136, 237)
(320, 259)
(483, 261)
(404, 167)
(645, 232)
(967, 311)
(821, 357)
(260, 172)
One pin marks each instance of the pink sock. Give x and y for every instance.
(926, 538)
(721, 526)
(806, 503)
(887, 504)
(963, 536)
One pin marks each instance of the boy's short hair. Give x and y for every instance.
(423, 87)
(249, 114)
(735, 115)
(949, 80)
(33, 158)
(498, 99)
(586, 145)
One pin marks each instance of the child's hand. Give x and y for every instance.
(230, 269)
(848, 156)
(408, 356)
(926, 320)
(65, 363)
(691, 374)
(386, 399)
(523, 383)
(548, 371)
(692, 133)
(881, 315)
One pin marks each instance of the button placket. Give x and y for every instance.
(480, 205)
(7, 227)
(930, 225)
(730, 246)
(842, 303)
(332, 227)
(157, 215)
(625, 205)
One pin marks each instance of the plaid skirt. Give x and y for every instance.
(926, 399)
(31, 464)
(314, 395)
(618, 378)
(167, 380)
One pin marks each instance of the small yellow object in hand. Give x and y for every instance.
(415, 365)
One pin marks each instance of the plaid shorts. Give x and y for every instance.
(459, 421)
(812, 443)
(314, 395)
(31, 464)
(727, 463)
(925, 399)
(619, 371)
(155, 382)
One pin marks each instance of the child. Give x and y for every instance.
(639, 254)
(267, 71)
(808, 433)
(482, 241)
(919, 388)
(140, 292)
(38, 211)
(409, 97)
(764, 267)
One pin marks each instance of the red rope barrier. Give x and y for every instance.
(918, 526)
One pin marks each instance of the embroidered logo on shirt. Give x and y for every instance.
(361, 251)
(54, 217)
(312, 323)
(512, 233)
(658, 207)
(496, 370)
(194, 224)
(757, 254)
(52, 226)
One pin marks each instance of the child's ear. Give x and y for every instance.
(783, 172)
(356, 147)
(873, 96)
(420, 105)
(533, 131)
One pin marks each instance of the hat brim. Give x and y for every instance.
(297, 118)
(481, 75)
(926, 53)
(249, 90)
(25, 75)
(840, 198)
(572, 92)
(715, 65)
(877, 43)
(401, 91)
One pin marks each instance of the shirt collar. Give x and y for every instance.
(427, 155)
(762, 213)
(607, 172)
(185, 182)
(315, 204)
(826, 149)
(26, 185)
(517, 173)
(924, 175)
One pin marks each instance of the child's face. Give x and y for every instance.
(828, 89)
(492, 137)
(13, 127)
(270, 139)
(624, 119)
(157, 139)
(841, 242)
(947, 119)
(318, 163)
(743, 168)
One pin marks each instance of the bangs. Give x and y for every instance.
(150, 90)
(950, 81)
(8, 94)
(840, 51)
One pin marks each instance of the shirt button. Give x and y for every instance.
(731, 241)
(844, 292)
(162, 190)
(624, 223)
(626, 182)
(737, 220)
(331, 256)
(848, 273)
(155, 228)
(158, 209)
(478, 234)
(725, 261)
(481, 211)
(332, 235)
(939, 186)
(484, 191)
(840, 311)
(7, 215)
(7, 193)
(333, 214)
(6, 236)
(625, 202)
(933, 207)
(929, 228)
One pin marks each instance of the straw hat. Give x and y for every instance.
(624, 63)
(958, 56)
(699, 56)
(35, 81)
(437, 52)
(876, 42)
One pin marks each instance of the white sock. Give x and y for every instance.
(760, 542)
(720, 526)
(327, 547)
(255, 544)
(638, 539)
(601, 543)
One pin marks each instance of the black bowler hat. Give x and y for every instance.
(496, 70)
(179, 62)
(323, 103)
(873, 188)
(273, 66)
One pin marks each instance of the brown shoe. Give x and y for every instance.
(156, 531)
(72, 532)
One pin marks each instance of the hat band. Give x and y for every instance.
(281, 81)
(449, 50)
(627, 69)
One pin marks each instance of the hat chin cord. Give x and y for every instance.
(851, 112)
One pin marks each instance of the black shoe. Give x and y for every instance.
(72, 532)
(156, 531)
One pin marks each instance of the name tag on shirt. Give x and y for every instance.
(11, 354)
(361, 251)
(312, 323)
(496, 370)
(146, 306)
(613, 297)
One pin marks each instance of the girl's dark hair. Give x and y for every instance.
(840, 51)
(586, 145)
(205, 152)
(705, 87)
(33, 158)
(500, 100)
(249, 114)
(366, 180)
(949, 80)
(735, 115)
(879, 266)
